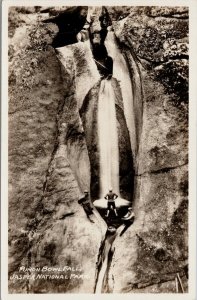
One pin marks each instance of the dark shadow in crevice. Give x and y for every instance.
(70, 23)
(103, 61)
(105, 253)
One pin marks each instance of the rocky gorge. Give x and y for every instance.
(54, 156)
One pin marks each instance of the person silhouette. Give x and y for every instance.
(110, 197)
(128, 220)
(85, 202)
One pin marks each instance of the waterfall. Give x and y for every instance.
(108, 139)
(108, 142)
(121, 72)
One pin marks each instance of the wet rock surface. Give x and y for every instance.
(53, 155)
(88, 113)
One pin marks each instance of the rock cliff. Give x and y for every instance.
(53, 153)
(158, 37)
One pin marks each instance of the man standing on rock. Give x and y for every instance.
(128, 220)
(85, 201)
(111, 197)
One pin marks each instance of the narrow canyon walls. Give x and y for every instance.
(54, 156)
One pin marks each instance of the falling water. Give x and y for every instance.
(121, 72)
(108, 139)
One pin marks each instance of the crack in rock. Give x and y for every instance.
(163, 170)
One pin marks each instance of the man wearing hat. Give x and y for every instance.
(85, 202)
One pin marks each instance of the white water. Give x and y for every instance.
(101, 276)
(121, 73)
(104, 259)
(108, 135)
(108, 139)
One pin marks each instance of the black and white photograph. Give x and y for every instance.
(98, 122)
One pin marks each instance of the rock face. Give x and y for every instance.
(45, 138)
(53, 155)
(158, 238)
(159, 38)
